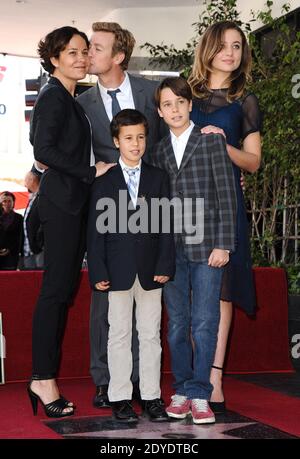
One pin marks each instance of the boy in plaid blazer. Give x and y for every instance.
(199, 169)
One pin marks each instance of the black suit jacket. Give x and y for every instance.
(11, 238)
(119, 257)
(34, 228)
(61, 139)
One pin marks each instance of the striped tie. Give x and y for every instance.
(132, 182)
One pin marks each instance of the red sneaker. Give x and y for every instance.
(201, 412)
(179, 407)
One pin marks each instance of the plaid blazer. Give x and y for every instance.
(205, 172)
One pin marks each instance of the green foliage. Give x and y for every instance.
(294, 282)
(293, 276)
(274, 190)
(171, 57)
(181, 59)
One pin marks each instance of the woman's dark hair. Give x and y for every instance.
(178, 85)
(55, 42)
(127, 117)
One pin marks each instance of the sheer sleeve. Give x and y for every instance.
(252, 117)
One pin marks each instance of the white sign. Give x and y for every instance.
(15, 150)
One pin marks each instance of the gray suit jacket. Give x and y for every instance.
(205, 172)
(143, 92)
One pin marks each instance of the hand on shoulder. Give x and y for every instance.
(102, 167)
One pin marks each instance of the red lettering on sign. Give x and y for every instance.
(2, 69)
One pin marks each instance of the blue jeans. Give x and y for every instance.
(193, 304)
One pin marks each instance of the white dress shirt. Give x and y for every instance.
(179, 143)
(124, 97)
(126, 176)
(92, 156)
(26, 247)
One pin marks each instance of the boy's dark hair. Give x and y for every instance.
(127, 117)
(178, 85)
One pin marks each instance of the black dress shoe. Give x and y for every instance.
(123, 411)
(155, 410)
(217, 407)
(101, 398)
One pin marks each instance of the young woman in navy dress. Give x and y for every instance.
(222, 105)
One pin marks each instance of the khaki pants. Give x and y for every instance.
(148, 318)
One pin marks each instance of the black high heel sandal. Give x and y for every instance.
(52, 410)
(218, 407)
(67, 402)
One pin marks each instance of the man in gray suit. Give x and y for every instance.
(110, 51)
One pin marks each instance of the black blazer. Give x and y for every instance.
(34, 228)
(11, 238)
(61, 139)
(119, 257)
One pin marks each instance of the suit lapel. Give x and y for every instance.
(145, 184)
(81, 113)
(138, 94)
(191, 145)
(169, 152)
(145, 181)
(117, 177)
(98, 109)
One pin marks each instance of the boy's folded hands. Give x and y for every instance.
(103, 285)
(161, 279)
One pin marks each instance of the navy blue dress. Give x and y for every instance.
(238, 119)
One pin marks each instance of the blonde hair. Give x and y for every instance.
(124, 40)
(209, 45)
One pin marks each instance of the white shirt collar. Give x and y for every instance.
(179, 143)
(124, 166)
(185, 135)
(124, 87)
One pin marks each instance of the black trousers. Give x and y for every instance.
(65, 240)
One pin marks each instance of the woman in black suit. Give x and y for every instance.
(60, 135)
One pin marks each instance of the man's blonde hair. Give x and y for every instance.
(124, 40)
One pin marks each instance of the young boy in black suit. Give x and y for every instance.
(132, 261)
